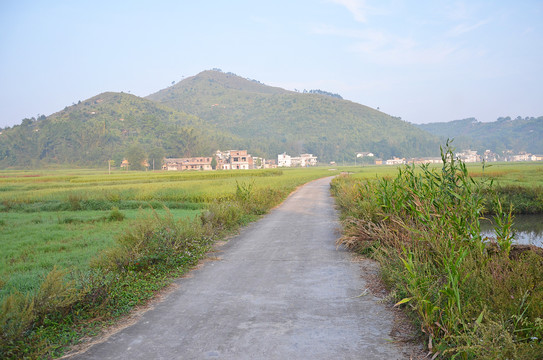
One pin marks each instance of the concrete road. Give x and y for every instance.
(281, 290)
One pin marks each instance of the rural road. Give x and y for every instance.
(280, 290)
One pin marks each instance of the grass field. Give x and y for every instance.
(60, 218)
(82, 247)
(33, 243)
(528, 173)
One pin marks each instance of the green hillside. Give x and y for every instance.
(106, 127)
(271, 120)
(520, 134)
(226, 112)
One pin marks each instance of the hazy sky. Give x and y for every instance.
(422, 60)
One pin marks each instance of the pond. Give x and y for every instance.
(529, 229)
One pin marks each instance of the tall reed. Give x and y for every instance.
(469, 293)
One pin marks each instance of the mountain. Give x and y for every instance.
(520, 134)
(105, 127)
(212, 110)
(271, 120)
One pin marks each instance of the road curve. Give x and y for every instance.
(281, 290)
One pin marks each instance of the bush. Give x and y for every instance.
(20, 315)
(155, 241)
(115, 215)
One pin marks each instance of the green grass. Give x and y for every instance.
(193, 187)
(528, 173)
(518, 184)
(59, 217)
(33, 243)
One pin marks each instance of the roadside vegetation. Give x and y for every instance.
(81, 248)
(473, 297)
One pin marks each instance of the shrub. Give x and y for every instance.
(20, 314)
(75, 202)
(223, 216)
(115, 215)
(155, 241)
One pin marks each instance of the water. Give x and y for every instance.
(529, 229)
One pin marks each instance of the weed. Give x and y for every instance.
(503, 228)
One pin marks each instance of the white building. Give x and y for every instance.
(284, 160)
(304, 160)
(395, 161)
(522, 156)
(308, 160)
(468, 156)
(364, 154)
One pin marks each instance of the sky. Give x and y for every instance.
(422, 60)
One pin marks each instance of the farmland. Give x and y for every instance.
(107, 242)
(82, 247)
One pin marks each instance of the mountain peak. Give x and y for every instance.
(216, 81)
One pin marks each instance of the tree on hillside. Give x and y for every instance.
(136, 156)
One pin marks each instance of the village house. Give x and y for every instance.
(192, 163)
(426, 160)
(522, 156)
(234, 160)
(490, 156)
(284, 160)
(395, 161)
(536, 158)
(304, 160)
(308, 160)
(261, 163)
(468, 156)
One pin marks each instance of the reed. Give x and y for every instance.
(469, 293)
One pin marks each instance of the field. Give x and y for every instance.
(33, 243)
(518, 184)
(502, 173)
(106, 242)
(62, 217)
(81, 247)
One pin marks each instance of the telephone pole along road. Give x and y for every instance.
(281, 290)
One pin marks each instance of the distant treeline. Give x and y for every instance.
(519, 134)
